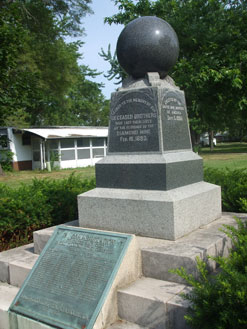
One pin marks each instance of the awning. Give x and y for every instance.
(53, 133)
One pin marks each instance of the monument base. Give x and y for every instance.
(149, 171)
(157, 214)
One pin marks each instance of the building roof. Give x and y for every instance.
(69, 132)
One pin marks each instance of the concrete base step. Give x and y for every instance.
(158, 259)
(7, 295)
(154, 304)
(125, 325)
(15, 264)
(159, 256)
(151, 302)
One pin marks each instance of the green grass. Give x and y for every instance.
(225, 155)
(16, 178)
(225, 148)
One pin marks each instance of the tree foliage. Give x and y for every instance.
(38, 70)
(86, 102)
(115, 71)
(212, 67)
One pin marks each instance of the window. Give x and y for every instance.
(83, 154)
(68, 155)
(36, 143)
(36, 156)
(98, 141)
(3, 131)
(83, 142)
(53, 144)
(67, 143)
(98, 153)
(26, 138)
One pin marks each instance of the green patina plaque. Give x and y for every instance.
(71, 279)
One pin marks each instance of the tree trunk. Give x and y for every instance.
(195, 138)
(1, 170)
(211, 139)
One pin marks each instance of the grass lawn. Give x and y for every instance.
(16, 178)
(225, 155)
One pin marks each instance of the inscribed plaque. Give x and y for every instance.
(68, 284)
(134, 121)
(175, 126)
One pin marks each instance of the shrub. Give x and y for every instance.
(220, 301)
(42, 204)
(6, 158)
(233, 187)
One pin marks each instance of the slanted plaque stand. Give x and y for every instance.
(151, 182)
(73, 284)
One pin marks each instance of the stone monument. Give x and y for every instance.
(151, 182)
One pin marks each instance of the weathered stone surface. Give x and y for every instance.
(149, 146)
(161, 256)
(176, 309)
(175, 128)
(18, 321)
(41, 237)
(10, 256)
(151, 79)
(134, 121)
(135, 118)
(125, 325)
(158, 261)
(7, 294)
(149, 172)
(150, 303)
(19, 269)
(147, 44)
(159, 214)
(138, 145)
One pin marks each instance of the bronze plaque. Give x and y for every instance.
(69, 282)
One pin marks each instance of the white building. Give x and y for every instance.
(64, 147)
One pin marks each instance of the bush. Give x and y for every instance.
(42, 204)
(6, 158)
(233, 187)
(220, 301)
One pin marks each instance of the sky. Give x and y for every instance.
(100, 35)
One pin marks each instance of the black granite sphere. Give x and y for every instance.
(147, 44)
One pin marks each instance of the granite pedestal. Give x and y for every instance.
(151, 182)
(158, 214)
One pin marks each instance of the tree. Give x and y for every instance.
(13, 38)
(212, 67)
(86, 104)
(115, 71)
(68, 13)
(38, 70)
